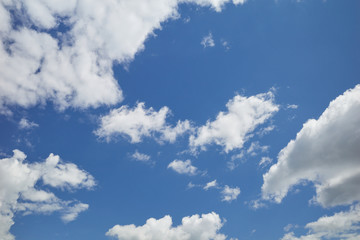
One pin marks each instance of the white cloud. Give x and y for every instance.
(140, 156)
(19, 191)
(208, 41)
(26, 124)
(140, 122)
(229, 194)
(183, 167)
(211, 184)
(342, 225)
(204, 227)
(232, 129)
(265, 161)
(255, 147)
(326, 152)
(74, 68)
(292, 106)
(72, 213)
(225, 44)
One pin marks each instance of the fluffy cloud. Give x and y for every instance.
(140, 122)
(73, 66)
(342, 225)
(183, 167)
(326, 152)
(208, 41)
(19, 191)
(229, 194)
(140, 156)
(232, 129)
(204, 227)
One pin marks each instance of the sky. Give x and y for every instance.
(179, 119)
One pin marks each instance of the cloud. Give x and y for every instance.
(342, 225)
(255, 147)
(265, 161)
(73, 66)
(229, 194)
(292, 106)
(20, 193)
(204, 227)
(139, 122)
(211, 184)
(183, 167)
(325, 152)
(140, 156)
(208, 41)
(232, 129)
(26, 124)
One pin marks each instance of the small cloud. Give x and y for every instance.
(225, 44)
(266, 130)
(141, 157)
(233, 163)
(211, 184)
(26, 124)
(265, 161)
(183, 167)
(292, 106)
(256, 204)
(229, 194)
(255, 147)
(192, 185)
(186, 19)
(208, 41)
(289, 227)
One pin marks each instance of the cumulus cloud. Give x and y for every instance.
(204, 227)
(20, 193)
(183, 167)
(325, 152)
(139, 122)
(229, 194)
(26, 124)
(208, 41)
(342, 225)
(231, 129)
(73, 66)
(140, 156)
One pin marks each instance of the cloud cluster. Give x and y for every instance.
(64, 51)
(19, 188)
(140, 122)
(342, 225)
(204, 227)
(232, 128)
(325, 152)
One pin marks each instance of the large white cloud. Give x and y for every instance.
(73, 66)
(231, 129)
(204, 227)
(325, 152)
(342, 225)
(139, 122)
(20, 193)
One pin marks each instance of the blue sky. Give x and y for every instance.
(232, 119)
